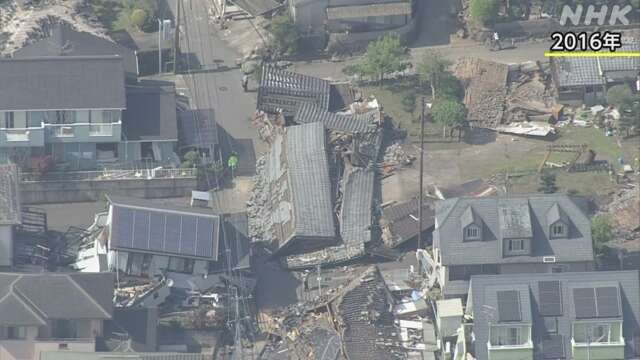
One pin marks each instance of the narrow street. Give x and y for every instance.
(215, 83)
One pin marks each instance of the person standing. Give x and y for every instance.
(245, 82)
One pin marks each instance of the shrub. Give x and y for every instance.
(484, 11)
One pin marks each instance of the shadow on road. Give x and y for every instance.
(243, 148)
(436, 23)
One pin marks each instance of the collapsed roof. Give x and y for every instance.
(285, 90)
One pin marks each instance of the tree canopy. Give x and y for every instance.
(432, 69)
(285, 35)
(484, 11)
(601, 232)
(449, 113)
(384, 56)
(620, 96)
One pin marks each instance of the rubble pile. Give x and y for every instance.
(259, 209)
(23, 25)
(485, 89)
(530, 95)
(395, 154)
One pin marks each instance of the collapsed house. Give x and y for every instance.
(292, 204)
(314, 194)
(141, 238)
(585, 80)
(10, 215)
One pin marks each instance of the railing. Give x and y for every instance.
(101, 130)
(145, 174)
(32, 136)
(83, 131)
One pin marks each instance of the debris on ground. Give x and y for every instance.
(485, 85)
(395, 154)
(24, 24)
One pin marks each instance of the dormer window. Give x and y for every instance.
(558, 230)
(472, 232)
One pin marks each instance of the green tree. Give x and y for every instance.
(138, 18)
(601, 232)
(449, 113)
(620, 96)
(484, 11)
(548, 182)
(384, 56)
(286, 35)
(432, 69)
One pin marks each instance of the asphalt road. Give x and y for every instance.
(215, 83)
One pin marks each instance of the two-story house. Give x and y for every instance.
(586, 315)
(76, 97)
(9, 212)
(52, 312)
(505, 235)
(67, 107)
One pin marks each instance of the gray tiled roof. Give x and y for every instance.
(32, 299)
(482, 301)
(309, 181)
(355, 224)
(584, 71)
(9, 195)
(151, 113)
(63, 40)
(401, 221)
(280, 89)
(62, 83)
(533, 209)
(357, 123)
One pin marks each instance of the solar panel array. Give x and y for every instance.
(509, 305)
(165, 232)
(550, 298)
(600, 302)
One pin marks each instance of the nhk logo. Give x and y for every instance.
(617, 15)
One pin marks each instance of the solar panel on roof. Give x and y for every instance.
(607, 302)
(550, 299)
(584, 300)
(166, 232)
(553, 347)
(509, 305)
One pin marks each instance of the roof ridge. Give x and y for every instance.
(28, 304)
(87, 294)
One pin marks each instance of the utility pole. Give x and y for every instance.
(422, 116)
(319, 278)
(160, 30)
(176, 38)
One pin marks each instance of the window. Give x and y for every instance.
(558, 230)
(8, 120)
(516, 245)
(551, 325)
(16, 332)
(592, 333)
(65, 117)
(64, 329)
(509, 335)
(472, 232)
(181, 265)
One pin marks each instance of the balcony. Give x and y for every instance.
(84, 132)
(598, 350)
(510, 352)
(23, 137)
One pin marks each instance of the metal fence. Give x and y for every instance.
(110, 174)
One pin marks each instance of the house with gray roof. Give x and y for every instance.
(143, 238)
(586, 79)
(281, 90)
(62, 39)
(52, 312)
(504, 235)
(10, 213)
(581, 315)
(293, 197)
(75, 101)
